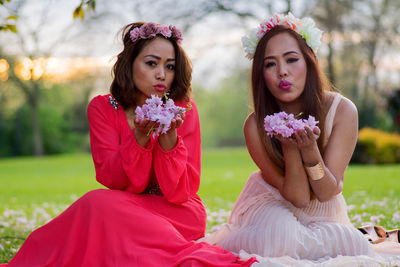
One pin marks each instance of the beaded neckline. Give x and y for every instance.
(113, 102)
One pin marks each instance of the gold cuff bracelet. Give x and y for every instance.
(316, 172)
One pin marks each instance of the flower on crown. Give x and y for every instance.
(150, 30)
(304, 27)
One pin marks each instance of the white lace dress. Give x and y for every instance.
(263, 223)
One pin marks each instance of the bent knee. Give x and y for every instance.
(99, 198)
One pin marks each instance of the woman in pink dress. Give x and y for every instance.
(151, 212)
(291, 211)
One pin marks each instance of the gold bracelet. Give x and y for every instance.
(316, 172)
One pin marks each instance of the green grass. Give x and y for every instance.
(43, 187)
(224, 174)
(49, 179)
(377, 180)
(25, 181)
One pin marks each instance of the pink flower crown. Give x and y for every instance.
(304, 27)
(150, 30)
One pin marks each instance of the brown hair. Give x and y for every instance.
(265, 104)
(122, 86)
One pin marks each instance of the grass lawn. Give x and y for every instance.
(33, 190)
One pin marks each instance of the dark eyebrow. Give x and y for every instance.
(285, 54)
(158, 58)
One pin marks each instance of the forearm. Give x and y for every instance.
(326, 186)
(141, 139)
(296, 187)
(168, 141)
(178, 170)
(177, 160)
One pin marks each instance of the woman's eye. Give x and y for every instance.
(269, 64)
(151, 63)
(170, 66)
(292, 59)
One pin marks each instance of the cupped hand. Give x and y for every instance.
(176, 123)
(143, 128)
(169, 139)
(307, 137)
(286, 141)
(301, 138)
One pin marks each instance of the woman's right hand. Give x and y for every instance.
(286, 141)
(307, 138)
(142, 130)
(301, 139)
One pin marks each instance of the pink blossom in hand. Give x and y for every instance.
(285, 124)
(163, 114)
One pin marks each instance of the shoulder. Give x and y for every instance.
(104, 102)
(345, 120)
(346, 110)
(191, 120)
(250, 120)
(343, 108)
(98, 101)
(185, 103)
(191, 107)
(346, 106)
(104, 106)
(250, 126)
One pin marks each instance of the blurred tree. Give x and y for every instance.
(377, 25)
(4, 127)
(330, 16)
(59, 135)
(394, 108)
(79, 12)
(27, 74)
(76, 112)
(223, 111)
(8, 22)
(188, 13)
(357, 33)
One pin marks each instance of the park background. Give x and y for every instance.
(56, 55)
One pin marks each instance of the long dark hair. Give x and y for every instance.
(265, 103)
(122, 86)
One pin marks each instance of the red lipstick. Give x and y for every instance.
(285, 85)
(160, 87)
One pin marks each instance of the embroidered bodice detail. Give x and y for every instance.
(113, 102)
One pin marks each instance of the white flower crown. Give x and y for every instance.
(305, 27)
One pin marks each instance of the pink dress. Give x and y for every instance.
(149, 218)
(265, 225)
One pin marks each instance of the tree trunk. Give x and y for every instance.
(331, 67)
(289, 6)
(38, 149)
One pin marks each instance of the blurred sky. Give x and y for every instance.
(213, 44)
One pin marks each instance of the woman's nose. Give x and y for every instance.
(282, 71)
(160, 74)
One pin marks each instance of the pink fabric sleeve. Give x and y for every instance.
(178, 170)
(117, 163)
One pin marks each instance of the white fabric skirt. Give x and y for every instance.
(262, 222)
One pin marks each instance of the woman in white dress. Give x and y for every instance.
(293, 206)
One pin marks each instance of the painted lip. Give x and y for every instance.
(285, 85)
(160, 87)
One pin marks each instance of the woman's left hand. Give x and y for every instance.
(176, 123)
(306, 138)
(169, 139)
